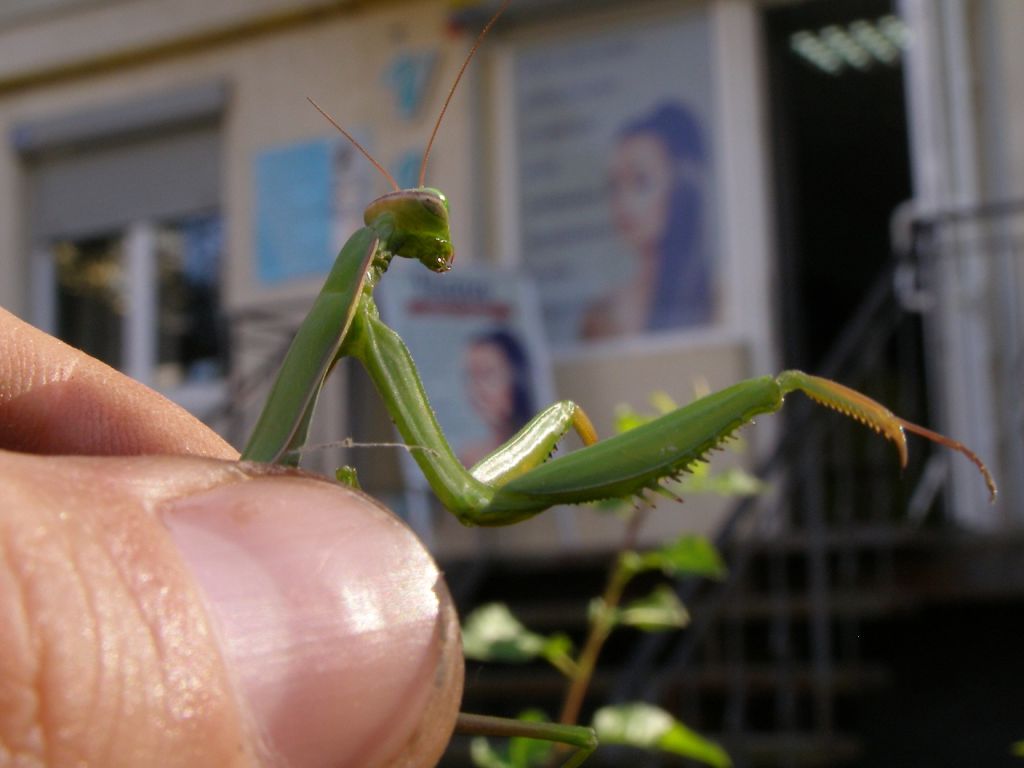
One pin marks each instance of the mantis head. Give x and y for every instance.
(419, 225)
(418, 217)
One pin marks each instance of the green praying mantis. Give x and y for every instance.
(519, 479)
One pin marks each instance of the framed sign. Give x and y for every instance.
(477, 342)
(613, 159)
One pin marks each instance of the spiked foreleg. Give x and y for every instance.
(633, 461)
(639, 459)
(498, 491)
(391, 367)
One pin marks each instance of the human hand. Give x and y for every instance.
(163, 604)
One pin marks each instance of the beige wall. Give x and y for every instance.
(104, 30)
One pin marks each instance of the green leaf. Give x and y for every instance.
(525, 753)
(649, 727)
(626, 419)
(730, 482)
(347, 476)
(493, 633)
(659, 611)
(683, 741)
(635, 724)
(688, 555)
(663, 402)
(484, 755)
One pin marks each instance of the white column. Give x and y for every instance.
(945, 167)
(43, 288)
(139, 332)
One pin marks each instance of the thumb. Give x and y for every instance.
(177, 611)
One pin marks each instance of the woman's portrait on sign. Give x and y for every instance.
(617, 179)
(500, 388)
(655, 199)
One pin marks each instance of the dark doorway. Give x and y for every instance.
(841, 163)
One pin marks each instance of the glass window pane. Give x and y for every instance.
(90, 291)
(192, 331)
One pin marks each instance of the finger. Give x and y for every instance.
(57, 399)
(203, 613)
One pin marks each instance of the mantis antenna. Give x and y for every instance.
(440, 116)
(357, 145)
(451, 92)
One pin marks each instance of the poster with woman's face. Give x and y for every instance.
(613, 148)
(477, 342)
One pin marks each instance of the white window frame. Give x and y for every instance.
(139, 329)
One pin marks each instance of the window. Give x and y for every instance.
(145, 300)
(129, 239)
(191, 336)
(89, 297)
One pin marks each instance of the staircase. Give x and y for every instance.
(754, 678)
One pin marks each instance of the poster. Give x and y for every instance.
(476, 339)
(614, 149)
(309, 199)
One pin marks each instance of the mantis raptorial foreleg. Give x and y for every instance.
(624, 465)
(284, 422)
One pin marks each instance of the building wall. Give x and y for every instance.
(269, 74)
(271, 54)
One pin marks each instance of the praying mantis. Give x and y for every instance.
(519, 479)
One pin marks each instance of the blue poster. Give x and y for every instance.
(293, 213)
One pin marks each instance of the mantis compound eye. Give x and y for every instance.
(434, 207)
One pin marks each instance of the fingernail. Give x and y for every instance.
(329, 610)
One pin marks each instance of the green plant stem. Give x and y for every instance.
(602, 624)
(600, 628)
(485, 725)
(582, 738)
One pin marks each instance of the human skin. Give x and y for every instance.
(163, 604)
